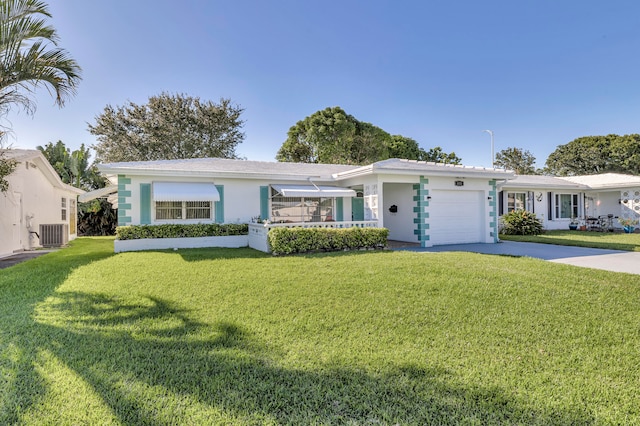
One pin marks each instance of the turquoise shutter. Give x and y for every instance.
(339, 209)
(219, 205)
(145, 203)
(357, 208)
(264, 202)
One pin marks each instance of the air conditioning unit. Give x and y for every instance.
(54, 235)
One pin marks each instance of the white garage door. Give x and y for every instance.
(456, 217)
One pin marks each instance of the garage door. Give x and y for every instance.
(456, 217)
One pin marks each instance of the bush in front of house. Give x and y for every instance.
(521, 222)
(303, 240)
(136, 232)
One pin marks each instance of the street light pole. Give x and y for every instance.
(492, 150)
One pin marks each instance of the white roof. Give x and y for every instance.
(606, 180)
(221, 167)
(35, 156)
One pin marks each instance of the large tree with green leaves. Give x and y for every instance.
(73, 167)
(409, 149)
(333, 136)
(596, 154)
(94, 217)
(519, 160)
(168, 127)
(30, 58)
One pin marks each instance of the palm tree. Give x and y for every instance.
(30, 57)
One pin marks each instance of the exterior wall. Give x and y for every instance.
(400, 223)
(538, 202)
(30, 201)
(629, 202)
(483, 194)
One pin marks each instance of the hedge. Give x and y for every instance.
(303, 240)
(136, 232)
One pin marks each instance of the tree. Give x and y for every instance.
(168, 127)
(437, 155)
(94, 217)
(325, 136)
(596, 154)
(29, 58)
(73, 167)
(7, 166)
(333, 136)
(516, 159)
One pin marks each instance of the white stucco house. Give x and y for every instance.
(38, 210)
(419, 202)
(595, 201)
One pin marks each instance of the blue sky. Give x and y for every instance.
(538, 73)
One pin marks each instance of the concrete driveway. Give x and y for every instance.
(610, 260)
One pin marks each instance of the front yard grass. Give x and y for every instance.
(234, 336)
(604, 240)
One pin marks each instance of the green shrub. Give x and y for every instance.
(521, 222)
(136, 232)
(303, 240)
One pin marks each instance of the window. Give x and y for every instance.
(179, 210)
(566, 206)
(302, 209)
(63, 211)
(516, 201)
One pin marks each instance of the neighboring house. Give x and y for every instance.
(596, 201)
(38, 209)
(426, 203)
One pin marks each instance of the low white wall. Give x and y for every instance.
(258, 237)
(234, 241)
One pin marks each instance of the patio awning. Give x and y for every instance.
(98, 193)
(313, 191)
(185, 191)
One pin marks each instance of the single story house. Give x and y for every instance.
(426, 203)
(419, 202)
(38, 210)
(595, 201)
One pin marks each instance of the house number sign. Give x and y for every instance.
(459, 183)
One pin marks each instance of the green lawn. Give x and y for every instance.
(605, 240)
(215, 336)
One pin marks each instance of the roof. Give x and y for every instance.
(401, 166)
(34, 155)
(543, 182)
(295, 171)
(226, 167)
(606, 180)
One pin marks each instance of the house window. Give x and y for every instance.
(179, 210)
(516, 201)
(302, 209)
(566, 206)
(63, 210)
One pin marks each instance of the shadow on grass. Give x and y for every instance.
(147, 359)
(22, 287)
(556, 237)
